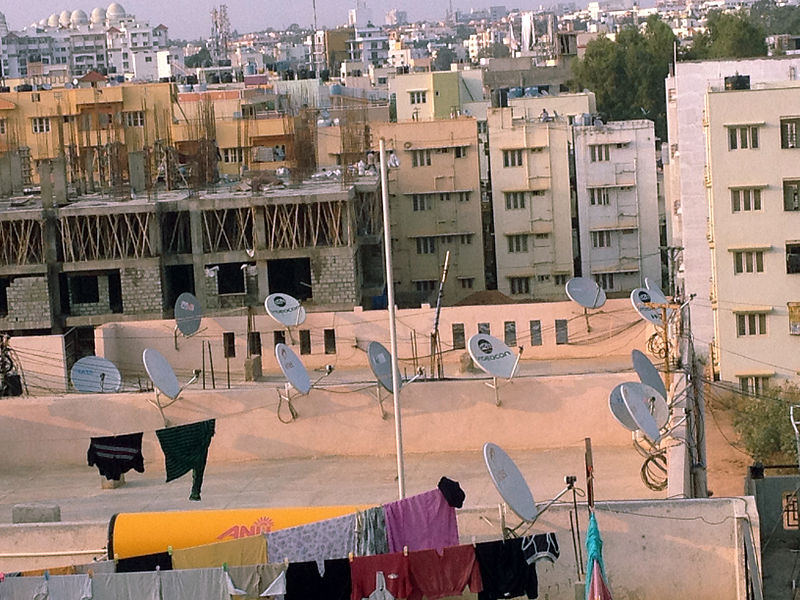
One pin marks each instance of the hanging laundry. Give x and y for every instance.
(542, 546)
(64, 587)
(319, 541)
(98, 566)
(395, 568)
(304, 581)
(504, 570)
(251, 550)
(126, 586)
(70, 570)
(186, 449)
(380, 593)
(145, 562)
(19, 588)
(277, 589)
(421, 522)
(116, 454)
(371, 532)
(260, 580)
(191, 584)
(446, 572)
(452, 492)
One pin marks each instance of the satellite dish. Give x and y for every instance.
(380, 361)
(638, 398)
(492, 355)
(619, 410)
(285, 309)
(94, 374)
(647, 372)
(161, 373)
(293, 368)
(585, 292)
(640, 297)
(653, 288)
(188, 314)
(509, 482)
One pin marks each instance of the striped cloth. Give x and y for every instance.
(116, 454)
(186, 448)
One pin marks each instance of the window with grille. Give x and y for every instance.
(418, 97)
(426, 245)
(459, 337)
(421, 202)
(745, 199)
(134, 118)
(600, 152)
(232, 155)
(41, 125)
(425, 286)
(748, 262)
(515, 200)
(753, 323)
(512, 158)
(601, 239)
(605, 280)
(520, 285)
(598, 196)
(791, 195)
(789, 129)
(421, 158)
(536, 333)
(742, 137)
(518, 243)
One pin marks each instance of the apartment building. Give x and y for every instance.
(753, 189)
(435, 95)
(617, 204)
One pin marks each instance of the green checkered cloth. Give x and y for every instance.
(186, 449)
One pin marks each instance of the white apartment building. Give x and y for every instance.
(617, 204)
(684, 172)
(369, 46)
(753, 188)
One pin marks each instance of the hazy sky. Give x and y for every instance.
(191, 18)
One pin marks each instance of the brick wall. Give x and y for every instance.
(28, 303)
(141, 290)
(101, 307)
(334, 278)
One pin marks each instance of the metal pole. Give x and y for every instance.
(211, 366)
(387, 246)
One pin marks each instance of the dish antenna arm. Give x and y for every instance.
(157, 402)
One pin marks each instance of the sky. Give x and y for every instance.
(189, 19)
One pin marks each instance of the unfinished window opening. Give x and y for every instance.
(290, 276)
(254, 343)
(177, 280)
(84, 289)
(305, 341)
(229, 344)
(4, 283)
(230, 279)
(330, 341)
(562, 331)
(484, 328)
(459, 339)
(278, 337)
(115, 292)
(536, 333)
(510, 333)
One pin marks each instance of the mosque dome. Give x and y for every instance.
(52, 21)
(98, 15)
(115, 11)
(63, 18)
(78, 17)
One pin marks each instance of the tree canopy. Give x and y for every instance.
(729, 35)
(444, 57)
(776, 19)
(496, 50)
(763, 423)
(201, 59)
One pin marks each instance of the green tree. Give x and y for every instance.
(201, 59)
(735, 36)
(496, 50)
(444, 56)
(763, 423)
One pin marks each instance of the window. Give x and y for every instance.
(746, 199)
(510, 333)
(426, 245)
(536, 333)
(753, 385)
(751, 324)
(791, 518)
(444, 196)
(329, 336)
(742, 137)
(232, 155)
(2, 126)
(41, 125)
(420, 158)
(230, 279)
(484, 328)
(515, 200)
(793, 258)
(418, 97)
(36, 97)
(543, 278)
(561, 279)
(789, 137)
(598, 196)
(518, 243)
(463, 196)
(512, 158)
(466, 238)
(305, 341)
(483, 126)
(421, 202)
(791, 195)
(254, 343)
(599, 152)
(562, 331)
(748, 261)
(459, 341)
(467, 282)
(541, 236)
(605, 280)
(520, 285)
(148, 59)
(425, 286)
(278, 337)
(134, 119)
(460, 151)
(84, 289)
(601, 239)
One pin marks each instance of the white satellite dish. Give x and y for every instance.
(380, 361)
(495, 358)
(293, 368)
(619, 410)
(510, 483)
(161, 373)
(94, 374)
(188, 314)
(639, 398)
(285, 309)
(640, 298)
(585, 292)
(647, 372)
(658, 296)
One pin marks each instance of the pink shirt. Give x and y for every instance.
(421, 522)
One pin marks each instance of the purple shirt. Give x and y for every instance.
(422, 522)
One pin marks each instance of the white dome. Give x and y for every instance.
(115, 10)
(98, 15)
(52, 21)
(78, 17)
(63, 18)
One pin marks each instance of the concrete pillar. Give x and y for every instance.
(46, 182)
(6, 188)
(59, 173)
(88, 158)
(16, 172)
(136, 172)
(260, 241)
(198, 255)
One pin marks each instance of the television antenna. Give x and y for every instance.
(297, 378)
(495, 358)
(188, 315)
(286, 310)
(647, 372)
(164, 380)
(586, 293)
(94, 374)
(380, 361)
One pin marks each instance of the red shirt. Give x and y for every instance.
(439, 573)
(395, 569)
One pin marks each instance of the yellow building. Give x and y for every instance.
(753, 189)
(435, 95)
